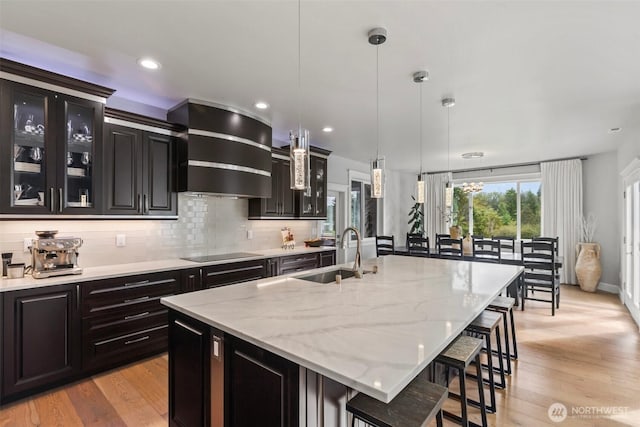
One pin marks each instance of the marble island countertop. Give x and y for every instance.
(119, 270)
(373, 334)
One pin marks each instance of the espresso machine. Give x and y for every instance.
(51, 256)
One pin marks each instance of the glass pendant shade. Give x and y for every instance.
(448, 195)
(420, 190)
(299, 159)
(377, 178)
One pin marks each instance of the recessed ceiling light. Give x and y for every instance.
(473, 155)
(327, 129)
(262, 105)
(149, 64)
(615, 130)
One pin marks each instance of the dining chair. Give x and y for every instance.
(553, 240)
(385, 245)
(486, 250)
(539, 275)
(506, 243)
(417, 245)
(449, 248)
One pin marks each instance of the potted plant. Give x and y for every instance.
(416, 219)
(588, 268)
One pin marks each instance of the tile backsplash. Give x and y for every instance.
(206, 225)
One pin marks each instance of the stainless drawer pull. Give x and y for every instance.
(137, 340)
(142, 282)
(134, 316)
(188, 328)
(137, 299)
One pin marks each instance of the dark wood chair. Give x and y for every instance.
(417, 245)
(553, 240)
(385, 245)
(507, 244)
(449, 248)
(538, 259)
(442, 236)
(486, 250)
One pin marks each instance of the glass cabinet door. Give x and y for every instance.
(28, 136)
(319, 178)
(80, 137)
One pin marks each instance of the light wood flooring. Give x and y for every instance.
(587, 356)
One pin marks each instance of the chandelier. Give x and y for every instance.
(473, 187)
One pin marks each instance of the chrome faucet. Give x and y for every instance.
(357, 265)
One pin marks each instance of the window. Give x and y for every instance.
(501, 209)
(363, 209)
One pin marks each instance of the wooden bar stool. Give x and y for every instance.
(484, 325)
(504, 305)
(415, 406)
(459, 355)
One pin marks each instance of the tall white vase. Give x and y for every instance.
(588, 269)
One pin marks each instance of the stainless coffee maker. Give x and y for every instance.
(51, 256)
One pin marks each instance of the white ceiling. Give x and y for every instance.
(533, 80)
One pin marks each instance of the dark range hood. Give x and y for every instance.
(223, 152)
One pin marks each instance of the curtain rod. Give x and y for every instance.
(514, 165)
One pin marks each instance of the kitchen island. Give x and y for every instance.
(372, 335)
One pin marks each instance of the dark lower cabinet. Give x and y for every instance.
(189, 372)
(327, 258)
(263, 387)
(41, 339)
(232, 273)
(191, 280)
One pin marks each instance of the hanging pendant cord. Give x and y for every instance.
(299, 80)
(377, 103)
(420, 131)
(448, 140)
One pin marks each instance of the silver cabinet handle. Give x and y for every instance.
(142, 282)
(135, 316)
(139, 207)
(51, 198)
(60, 200)
(145, 205)
(137, 299)
(146, 337)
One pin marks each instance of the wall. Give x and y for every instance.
(600, 183)
(206, 225)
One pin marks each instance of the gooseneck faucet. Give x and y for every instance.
(357, 264)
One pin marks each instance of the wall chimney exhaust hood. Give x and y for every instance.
(224, 151)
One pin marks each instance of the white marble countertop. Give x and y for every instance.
(119, 270)
(373, 334)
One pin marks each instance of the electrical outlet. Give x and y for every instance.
(249, 234)
(28, 241)
(121, 240)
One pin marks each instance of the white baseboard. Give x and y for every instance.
(608, 287)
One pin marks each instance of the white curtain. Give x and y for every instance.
(435, 220)
(562, 210)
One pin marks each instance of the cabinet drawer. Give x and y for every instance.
(123, 323)
(127, 293)
(237, 272)
(295, 263)
(108, 352)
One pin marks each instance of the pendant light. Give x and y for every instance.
(448, 200)
(420, 77)
(377, 36)
(299, 169)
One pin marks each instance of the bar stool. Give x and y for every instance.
(484, 325)
(459, 355)
(416, 405)
(504, 306)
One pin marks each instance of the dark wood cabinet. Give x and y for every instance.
(263, 387)
(231, 273)
(189, 372)
(41, 339)
(299, 262)
(327, 258)
(123, 319)
(139, 166)
(50, 152)
(190, 280)
(281, 204)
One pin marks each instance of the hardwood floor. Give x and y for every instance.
(587, 357)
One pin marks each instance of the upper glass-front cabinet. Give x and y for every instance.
(313, 201)
(47, 151)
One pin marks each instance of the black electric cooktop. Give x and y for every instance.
(221, 257)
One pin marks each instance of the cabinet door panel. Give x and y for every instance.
(124, 170)
(159, 197)
(41, 333)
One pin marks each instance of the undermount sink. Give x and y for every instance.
(328, 276)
